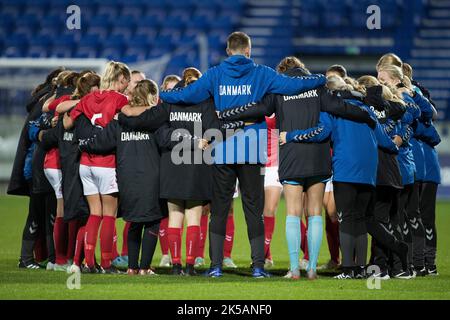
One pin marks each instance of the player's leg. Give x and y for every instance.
(224, 182)
(251, 184)
(176, 217)
(229, 240)
(50, 215)
(315, 225)
(204, 220)
(134, 246)
(193, 212)
(109, 212)
(164, 243)
(149, 241)
(293, 194)
(428, 210)
(331, 227)
(417, 230)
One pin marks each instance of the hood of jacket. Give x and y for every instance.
(237, 65)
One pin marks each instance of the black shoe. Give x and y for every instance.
(347, 274)
(383, 275)
(432, 271)
(29, 265)
(86, 269)
(111, 270)
(190, 271)
(406, 275)
(177, 270)
(360, 273)
(420, 271)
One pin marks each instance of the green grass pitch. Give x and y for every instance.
(40, 284)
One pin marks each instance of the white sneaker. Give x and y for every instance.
(292, 275)
(73, 269)
(268, 263)
(303, 264)
(50, 266)
(199, 262)
(228, 263)
(330, 265)
(165, 261)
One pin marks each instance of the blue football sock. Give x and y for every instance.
(315, 232)
(293, 237)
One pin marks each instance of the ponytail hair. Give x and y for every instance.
(85, 84)
(145, 94)
(397, 73)
(112, 73)
(407, 70)
(355, 85)
(191, 75)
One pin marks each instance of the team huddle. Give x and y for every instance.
(97, 148)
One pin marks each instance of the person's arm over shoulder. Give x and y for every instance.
(251, 111)
(149, 120)
(49, 138)
(104, 142)
(315, 134)
(384, 140)
(194, 93)
(425, 106)
(336, 106)
(281, 84)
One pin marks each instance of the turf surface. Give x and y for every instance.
(236, 284)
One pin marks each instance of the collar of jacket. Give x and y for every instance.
(237, 66)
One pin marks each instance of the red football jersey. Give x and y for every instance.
(272, 142)
(100, 107)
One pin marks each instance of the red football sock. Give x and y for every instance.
(125, 239)
(332, 229)
(107, 241)
(304, 244)
(269, 225)
(72, 237)
(79, 246)
(163, 238)
(203, 235)
(192, 240)
(229, 237)
(115, 253)
(40, 248)
(90, 240)
(60, 240)
(174, 241)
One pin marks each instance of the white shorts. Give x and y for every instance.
(236, 190)
(329, 186)
(54, 177)
(271, 178)
(98, 180)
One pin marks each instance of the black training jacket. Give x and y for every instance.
(137, 165)
(186, 179)
(75, 204)
(301, 160)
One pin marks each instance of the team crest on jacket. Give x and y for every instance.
(307, 94)
(134, 136)
(186, 116)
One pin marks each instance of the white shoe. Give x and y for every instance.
(303, 264)
(165, 261)
(228, 263)
(50, 266)
(268, 263)
(73, 269)
(292, 275)
(330, 265)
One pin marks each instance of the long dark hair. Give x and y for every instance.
(48, 81)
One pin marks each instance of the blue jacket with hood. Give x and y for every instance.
(238, 81)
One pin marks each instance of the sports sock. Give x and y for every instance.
(79, 246)
(293, 237)
(90, 240)
(149, 241)
(304, 239)
(332, 229)
(192, 240)
(125, 239)
(115, 253)
(60, 240)
(72, 237)
(174, 240)
(315, 233)
(107, 241)
(269, 225)
(163, 236)
(229, 237)
(203, 234)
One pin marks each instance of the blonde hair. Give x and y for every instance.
(191, 75)
(389, 59)
(368, 81)
(289, 63)
(355, 85)
(85, 83)
(391, 95)
(170, 78)
(407, 70)
(337, 83)
(112, 73)
(396, 73)
(145, 93)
